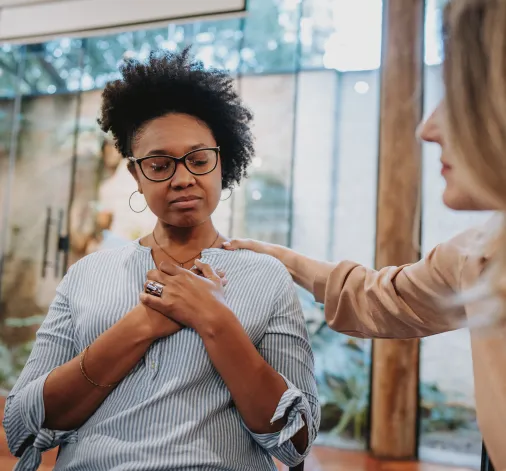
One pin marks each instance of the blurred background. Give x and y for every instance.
(310, 71)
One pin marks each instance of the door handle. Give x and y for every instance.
(62, 243)
(47, 229)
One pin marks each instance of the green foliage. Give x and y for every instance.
(12, 362)
(439, 414)
(24, 321)
(342, 367)
(343, 381)
(14, 358)
(342, 373)
(6, 369)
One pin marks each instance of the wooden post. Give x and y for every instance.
(394, 399)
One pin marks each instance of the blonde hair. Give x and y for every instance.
(475, 80)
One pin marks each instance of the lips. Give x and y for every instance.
(183, 199)
(185, 202)
(445, 168)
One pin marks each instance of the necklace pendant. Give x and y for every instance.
(187, 261)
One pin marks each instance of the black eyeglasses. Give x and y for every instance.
(160, 168)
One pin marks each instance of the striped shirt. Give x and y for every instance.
(173, 411)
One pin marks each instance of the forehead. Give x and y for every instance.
(174, 134)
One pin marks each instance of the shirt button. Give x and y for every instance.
(153, 365)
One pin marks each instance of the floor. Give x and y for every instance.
(321, 459)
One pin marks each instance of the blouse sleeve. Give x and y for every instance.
(286, 348)
(409, 301)
(24, 410)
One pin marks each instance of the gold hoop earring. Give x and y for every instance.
(130, 203)
(228, 197)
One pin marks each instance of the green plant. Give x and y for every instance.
(13, 356)
(12, 362)
(342, 374)
(440, 415)
(6, 367)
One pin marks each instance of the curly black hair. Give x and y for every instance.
(174, 83)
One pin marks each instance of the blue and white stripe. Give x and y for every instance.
(173, 411)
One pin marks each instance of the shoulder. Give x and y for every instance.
(472, 243)
(466, 254)
(269, 267)
(108, 260)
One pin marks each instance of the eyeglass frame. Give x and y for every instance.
(176, 159)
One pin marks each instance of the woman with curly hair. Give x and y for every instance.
(195, 375)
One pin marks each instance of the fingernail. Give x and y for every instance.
(226, 244)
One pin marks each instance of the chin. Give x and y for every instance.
(185, 219)
(452, 204)
(459, 202)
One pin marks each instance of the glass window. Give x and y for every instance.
(342, 35)
(261, 203)
(339, 197)
(309, 72)
(215, 43)
(104, 53)
(35, 210)
(54, 67)
(9, 69)
(271, 36)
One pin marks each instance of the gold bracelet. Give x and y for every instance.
(81, 364)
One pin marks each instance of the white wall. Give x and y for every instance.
(357, 167)
(315, 136)
(26, 21)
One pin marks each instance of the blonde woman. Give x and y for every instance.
(412, 301)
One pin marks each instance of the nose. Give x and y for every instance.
(430, 129)
(182, 178)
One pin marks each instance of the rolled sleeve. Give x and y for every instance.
(30, 402)
(286, 348)
(294, 406)
(24, 417)
(24, 410)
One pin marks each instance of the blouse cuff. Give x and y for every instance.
(31, 404)
(33, 440)
(295, 404)
(320, 287)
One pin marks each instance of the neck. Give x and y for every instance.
(185, 238)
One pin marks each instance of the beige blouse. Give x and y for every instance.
(413, 301)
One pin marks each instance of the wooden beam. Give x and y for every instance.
(394, 399)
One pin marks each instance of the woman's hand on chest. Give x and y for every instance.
(187, 298)
(152, 323)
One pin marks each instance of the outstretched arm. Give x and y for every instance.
(394, 302)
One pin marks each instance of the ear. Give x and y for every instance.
(132, 168)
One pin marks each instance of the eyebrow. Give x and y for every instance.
(200, 145)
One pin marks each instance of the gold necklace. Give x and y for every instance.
(182, 264)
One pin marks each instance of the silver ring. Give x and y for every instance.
(154, 289)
